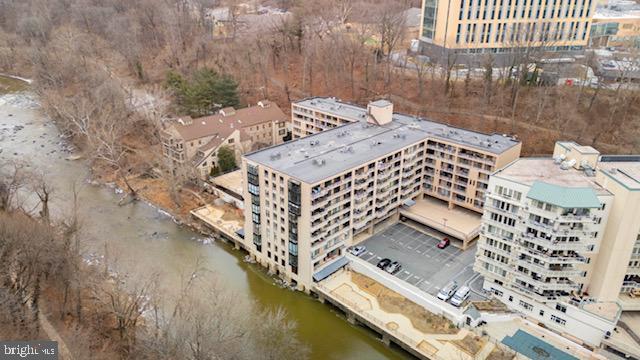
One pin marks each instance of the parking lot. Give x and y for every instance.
(423, 264)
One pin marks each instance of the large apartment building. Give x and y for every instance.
(452, 29)
(458, 162)
(192, 144)
(311, 198)
(560, 239)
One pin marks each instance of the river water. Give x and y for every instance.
(143, 240)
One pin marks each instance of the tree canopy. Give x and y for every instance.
(203, 93)
(226, 159)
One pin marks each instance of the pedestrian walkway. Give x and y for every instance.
(340, 287)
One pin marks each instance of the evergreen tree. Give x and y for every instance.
(204, 93)
(226, 90)
(226, 159)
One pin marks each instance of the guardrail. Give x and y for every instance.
(418, 296)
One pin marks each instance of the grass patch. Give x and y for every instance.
(500, 353)
(490, 305)
(470, 344)
(392, 302)
(11, 85)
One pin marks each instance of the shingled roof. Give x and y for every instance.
(225, 122)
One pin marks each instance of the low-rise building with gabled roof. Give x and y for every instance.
(195, 142)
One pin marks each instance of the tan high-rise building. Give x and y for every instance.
(310, 199)
(560, 239)
(452, 29)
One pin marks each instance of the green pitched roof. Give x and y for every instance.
(564, 197)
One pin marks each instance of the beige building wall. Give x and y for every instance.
(499, 24)
(375, 190)
(621, 234)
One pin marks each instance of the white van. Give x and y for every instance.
(460, 296)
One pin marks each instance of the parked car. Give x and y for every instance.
(358, 250)
(460, 296)
(447, 292)
(444, 243)
(383, 263)
(393, 268)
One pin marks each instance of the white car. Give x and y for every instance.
(358, 250)
(447, 292)
(460, 296)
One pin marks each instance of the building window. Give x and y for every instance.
(558, 320)
(561, 307)
(526, 305)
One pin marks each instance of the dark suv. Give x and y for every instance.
(383, 263)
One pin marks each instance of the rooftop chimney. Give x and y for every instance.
(228, 111)
(380, 112)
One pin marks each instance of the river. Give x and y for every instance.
(142, 240)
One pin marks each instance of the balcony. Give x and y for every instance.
(382, 177)
(557, 245)
(513, 214)
(550, 258)
(317, 193)
(362, 222)
(331, 199)
(557, 285)
(484, 246)
(551, 271)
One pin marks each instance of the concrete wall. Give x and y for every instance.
(580, 324)
(407, 290)
(620, 236)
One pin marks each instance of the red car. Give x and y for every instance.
(443, 243)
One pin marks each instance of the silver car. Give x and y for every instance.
(358, 250)
(393, 268)
(447, 292)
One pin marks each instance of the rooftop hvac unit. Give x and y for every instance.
(319, 162)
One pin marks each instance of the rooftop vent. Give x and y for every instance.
(276, 156)
(319, 162)
(314, 142)
(589, 171)
(228, 111)
(185, 122)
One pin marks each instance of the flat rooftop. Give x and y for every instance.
(529, 170)
(231, 181)
(458, 222)
(623, 169)
(328, 153)
(494, 143)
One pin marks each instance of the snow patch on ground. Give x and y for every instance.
(21, 100)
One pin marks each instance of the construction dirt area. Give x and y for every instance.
(430, 334)
(392, 302)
